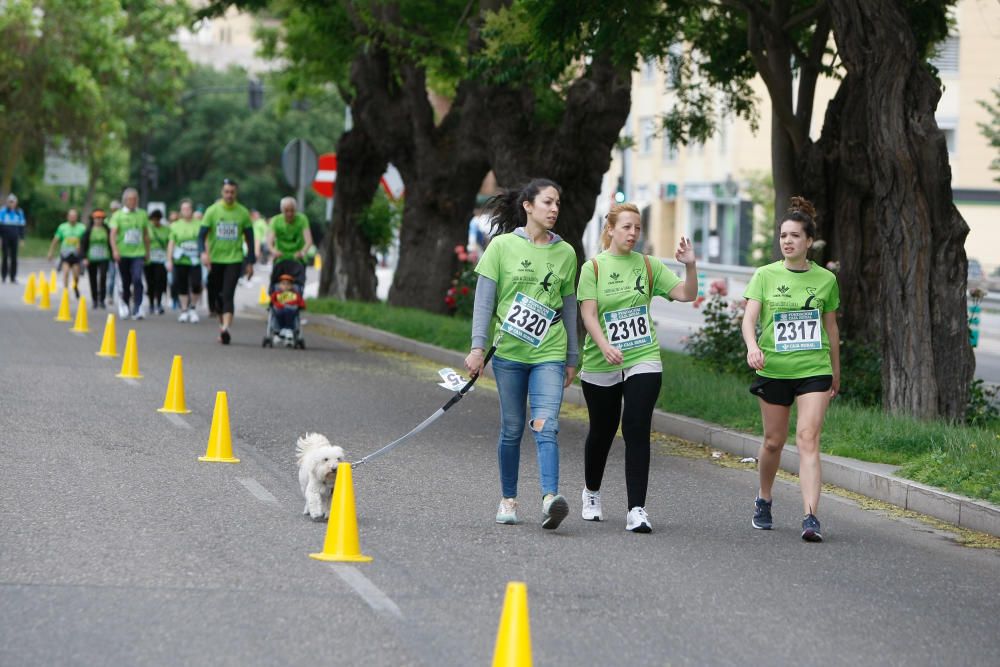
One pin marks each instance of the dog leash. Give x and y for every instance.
(440, 411)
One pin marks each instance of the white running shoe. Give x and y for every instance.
(183, 317)
(592, 505)
(507, 512)
(637, 521)
(123, 311)
(193, 318)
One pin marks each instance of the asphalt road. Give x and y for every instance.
(118, 547)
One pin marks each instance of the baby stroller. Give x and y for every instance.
(289, 337)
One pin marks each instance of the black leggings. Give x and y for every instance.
(97, 272)
(10, 236)
(156, 282)
(222, 279)
(604, 404)
(187, 279)
(130, 270)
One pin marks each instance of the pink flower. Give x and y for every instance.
(451, 291)
(449, 301)
(459, 249)
(465, 290)
(463, 257)
(718, 287)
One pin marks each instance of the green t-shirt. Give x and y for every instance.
(260, 229)
(623, 299)
(128, 229)
(800, 335)
(69, 235)
(289, 238)
(159, 236)
(98, 248)
(545, 274)
(226, 225)
(184, 234)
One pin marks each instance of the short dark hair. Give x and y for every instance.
(229, 181)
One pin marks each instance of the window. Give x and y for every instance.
(945, 57)
(649, 70)
(647, 133)
(669, 149)
(949, 127)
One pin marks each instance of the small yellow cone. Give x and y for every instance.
(63, 314)
(220, 441)
(53, 279)
(513, 648)
(80, 325)
(42, 292)
(318, 263)
(263, 299)
(341, 543)
(174, 400)
(109, 344)
(130, 359)
(29, 290)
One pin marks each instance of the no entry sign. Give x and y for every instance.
(325, 182)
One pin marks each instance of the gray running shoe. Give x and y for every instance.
(507, 512)
(554, 510)
(810, 529)
(762, 514)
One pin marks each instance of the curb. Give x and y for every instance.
(873, 480)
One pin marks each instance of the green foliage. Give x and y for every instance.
(861, 373)
(991, 130)
(381, 220)
(719, 345)
(760, 188)
(983, 410)
(218, 137)
(461, 296)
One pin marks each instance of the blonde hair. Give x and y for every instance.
(612, 220)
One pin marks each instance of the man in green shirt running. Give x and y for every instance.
(224, 227)
(129, 236)
(68, 236)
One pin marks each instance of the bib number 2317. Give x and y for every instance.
(797, 330)
(528, 320)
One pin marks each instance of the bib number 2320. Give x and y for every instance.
(797, 330)
(528, 320)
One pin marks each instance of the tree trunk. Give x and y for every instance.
(927, 362)
(11, 159)
(576, 153)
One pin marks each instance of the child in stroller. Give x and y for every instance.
(288, 279)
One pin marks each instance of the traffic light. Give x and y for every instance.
(255, 94)
(620, 190)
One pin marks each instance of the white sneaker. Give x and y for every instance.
(193, 317)
(183, 317)
(592, 505)
(507, 512)
(637, 521)
(137, 315)
(123, 311)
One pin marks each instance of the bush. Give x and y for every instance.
(460, 297)
(719, 344)
(982, 407)
(860, 373)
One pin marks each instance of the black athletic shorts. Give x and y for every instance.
(783, 392)
(71, 260)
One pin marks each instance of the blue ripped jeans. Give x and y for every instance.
(541, 385)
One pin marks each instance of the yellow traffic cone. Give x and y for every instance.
(174, 400)
(52, 282)
(130, 359)
(220, 441)
(318, 263)
(80, 326)
(29, 290)
(42, 292)
(63, 314)
(109, 344)
(263, 299)
(341, 543)
(513, 648)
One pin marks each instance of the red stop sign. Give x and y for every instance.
(325, 181)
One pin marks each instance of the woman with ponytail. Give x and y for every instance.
(526, 289)
(797, 359)
(621, 355)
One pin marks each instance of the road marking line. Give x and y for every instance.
(369, 592)
(259, 492)
(134, 383)
(176, 420)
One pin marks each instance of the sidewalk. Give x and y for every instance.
(874, 480)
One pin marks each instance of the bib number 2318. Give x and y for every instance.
(628, 328)
(528, 320)
(797, 330)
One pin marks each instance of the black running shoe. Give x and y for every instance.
(810, 529)
(224, 336)
(761, 514)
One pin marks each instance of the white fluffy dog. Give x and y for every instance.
(318, 461)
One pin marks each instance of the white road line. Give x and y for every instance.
(369, 592)
(259, 492)
(134, 383)
(176, 420)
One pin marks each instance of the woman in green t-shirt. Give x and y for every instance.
(526, 288)
(96, 251)
(797, 359)
(621, 355)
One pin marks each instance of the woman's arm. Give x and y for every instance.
(833, 335)
(755, 356)
(482, 312)
(688, 290)
(588, 309)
